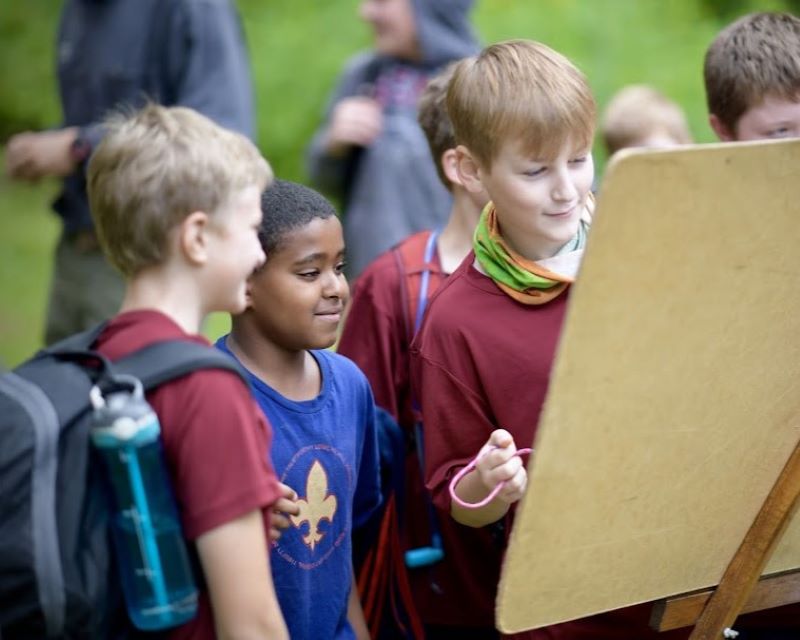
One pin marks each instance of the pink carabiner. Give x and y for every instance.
(457, 478)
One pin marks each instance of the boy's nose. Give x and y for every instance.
(564, 189)
(335, 286)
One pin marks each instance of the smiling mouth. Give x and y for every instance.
(334, 314)
(561, 214)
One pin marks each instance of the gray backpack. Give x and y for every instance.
(57, 573)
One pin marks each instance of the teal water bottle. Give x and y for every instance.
(156, 573)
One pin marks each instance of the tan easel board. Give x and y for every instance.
(675, 397)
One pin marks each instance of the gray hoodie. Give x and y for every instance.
(390, 189)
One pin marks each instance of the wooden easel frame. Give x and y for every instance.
(741, 590)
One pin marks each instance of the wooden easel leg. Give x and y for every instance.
(746, 566)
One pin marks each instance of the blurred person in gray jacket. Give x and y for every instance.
(370, 151)
(117, 54)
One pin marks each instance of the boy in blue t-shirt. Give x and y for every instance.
(319, 404)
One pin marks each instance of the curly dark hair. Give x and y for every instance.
(288, 206)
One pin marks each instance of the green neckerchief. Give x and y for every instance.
(519, 277)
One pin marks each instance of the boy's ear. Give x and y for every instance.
(720, 128)
(193, 237)
(449, 162)
(468, 169)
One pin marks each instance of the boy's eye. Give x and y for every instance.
(578, 160)
(309, 274)
(778, 132)
(531, 173)
(340, 267)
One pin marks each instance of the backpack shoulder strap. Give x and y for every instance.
(83, 341)
(414, 259)
(153, 365)
(164, 361)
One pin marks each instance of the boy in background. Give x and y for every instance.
(175, 201)
(640, 116)
(389, 299)
(752, 82)
(319, 403)
(752, 78)
(524, 121)
(370, 152)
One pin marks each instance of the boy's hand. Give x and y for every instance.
(355, 121)
(497, 462)
(285, 506)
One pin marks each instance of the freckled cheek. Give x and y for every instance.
(532, 199)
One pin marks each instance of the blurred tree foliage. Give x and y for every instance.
(298, 48)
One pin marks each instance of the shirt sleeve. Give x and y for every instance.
(216, 442)
(457, 420)
(367, 496)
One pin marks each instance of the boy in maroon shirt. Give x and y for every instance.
(759, 100)
(450, 601)
(176, 203)
(524, 119)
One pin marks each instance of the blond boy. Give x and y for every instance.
(175, 200)
(640, 116)
(752, 78)
(524, 119)
(388, 298)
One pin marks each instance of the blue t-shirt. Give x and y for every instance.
(326, 450)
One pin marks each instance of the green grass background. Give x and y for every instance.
(297, 50)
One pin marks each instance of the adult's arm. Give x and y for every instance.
(31, 155)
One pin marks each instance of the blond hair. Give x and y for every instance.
(433, 118)
(520, 90)
(153, 168)
(639, 111)
(755, 57)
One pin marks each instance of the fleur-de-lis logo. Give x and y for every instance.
(317, 506)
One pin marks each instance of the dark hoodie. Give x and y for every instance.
(390, 189)
(118, 53)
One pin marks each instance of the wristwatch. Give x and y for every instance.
(80, 149)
